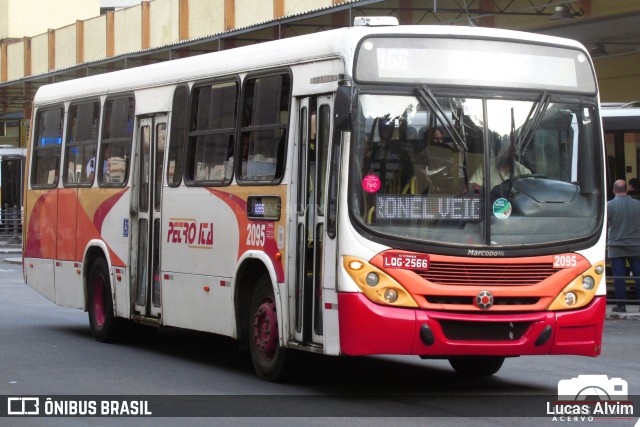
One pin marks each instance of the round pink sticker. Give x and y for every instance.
(371, 183)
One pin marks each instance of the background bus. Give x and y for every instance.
(295, 195)
(621, 124)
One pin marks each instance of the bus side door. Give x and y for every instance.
(312, 273)
(146, 221)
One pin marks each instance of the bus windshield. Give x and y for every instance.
(476, 171)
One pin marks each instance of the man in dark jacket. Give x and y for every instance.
(623, 240)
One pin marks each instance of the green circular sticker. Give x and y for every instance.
(501, 208)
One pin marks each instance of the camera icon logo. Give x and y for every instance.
(593, 388)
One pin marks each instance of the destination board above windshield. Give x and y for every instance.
(473, 62)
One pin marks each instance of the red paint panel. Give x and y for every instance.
(88, 228)
(368, 328)
(41, 236)
(580, 331)
(104, 209)
(66, 230)
(58, 227)
(443, 346)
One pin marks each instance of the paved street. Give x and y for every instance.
(48, 350)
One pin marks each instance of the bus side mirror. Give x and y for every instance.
(345, 107)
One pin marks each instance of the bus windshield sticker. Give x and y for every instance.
(502, 208)
(371, 183)
(407, 207)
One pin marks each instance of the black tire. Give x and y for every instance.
(268, 357)
(476, 366)
(105, 327)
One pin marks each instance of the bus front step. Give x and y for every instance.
(147, 321)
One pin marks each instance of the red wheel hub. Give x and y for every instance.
(98, 301)
(265, 328)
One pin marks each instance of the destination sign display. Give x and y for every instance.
(473, 62)
(409, 207)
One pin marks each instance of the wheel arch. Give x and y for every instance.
(95, 249)
(250, 267)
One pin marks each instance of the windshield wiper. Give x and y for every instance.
(513, 149)
(425, 95)
(531, 123)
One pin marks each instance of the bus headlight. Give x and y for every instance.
(588, 282)
(372, 279)
(570, 299)
(390, 296)
(377, 285)
(356, 265)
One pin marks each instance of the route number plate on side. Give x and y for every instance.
(407, 261)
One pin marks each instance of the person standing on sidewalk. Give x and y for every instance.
(623, 240)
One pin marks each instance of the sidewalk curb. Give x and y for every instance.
(10, 251)
(623, 316)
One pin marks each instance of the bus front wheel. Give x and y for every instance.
(476, 366)
(267, 355)
(103, 323)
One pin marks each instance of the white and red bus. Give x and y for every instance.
(414, 190)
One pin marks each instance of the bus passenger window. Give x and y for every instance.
(177, 138)
(211, 133)
(264, 127)
(115, 151)
(46, 148)
(82, 142)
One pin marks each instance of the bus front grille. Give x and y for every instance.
(465, 300)
(448, 273)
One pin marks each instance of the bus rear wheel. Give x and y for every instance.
(104, 325)
(476, 366)
(267, 355)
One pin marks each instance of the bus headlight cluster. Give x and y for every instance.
(580, 291)
(376, 285)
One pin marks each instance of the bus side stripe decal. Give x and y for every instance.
(41, 231)
(104, 209)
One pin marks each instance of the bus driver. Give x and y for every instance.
(499, 168)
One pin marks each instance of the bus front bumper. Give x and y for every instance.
(368, 328)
